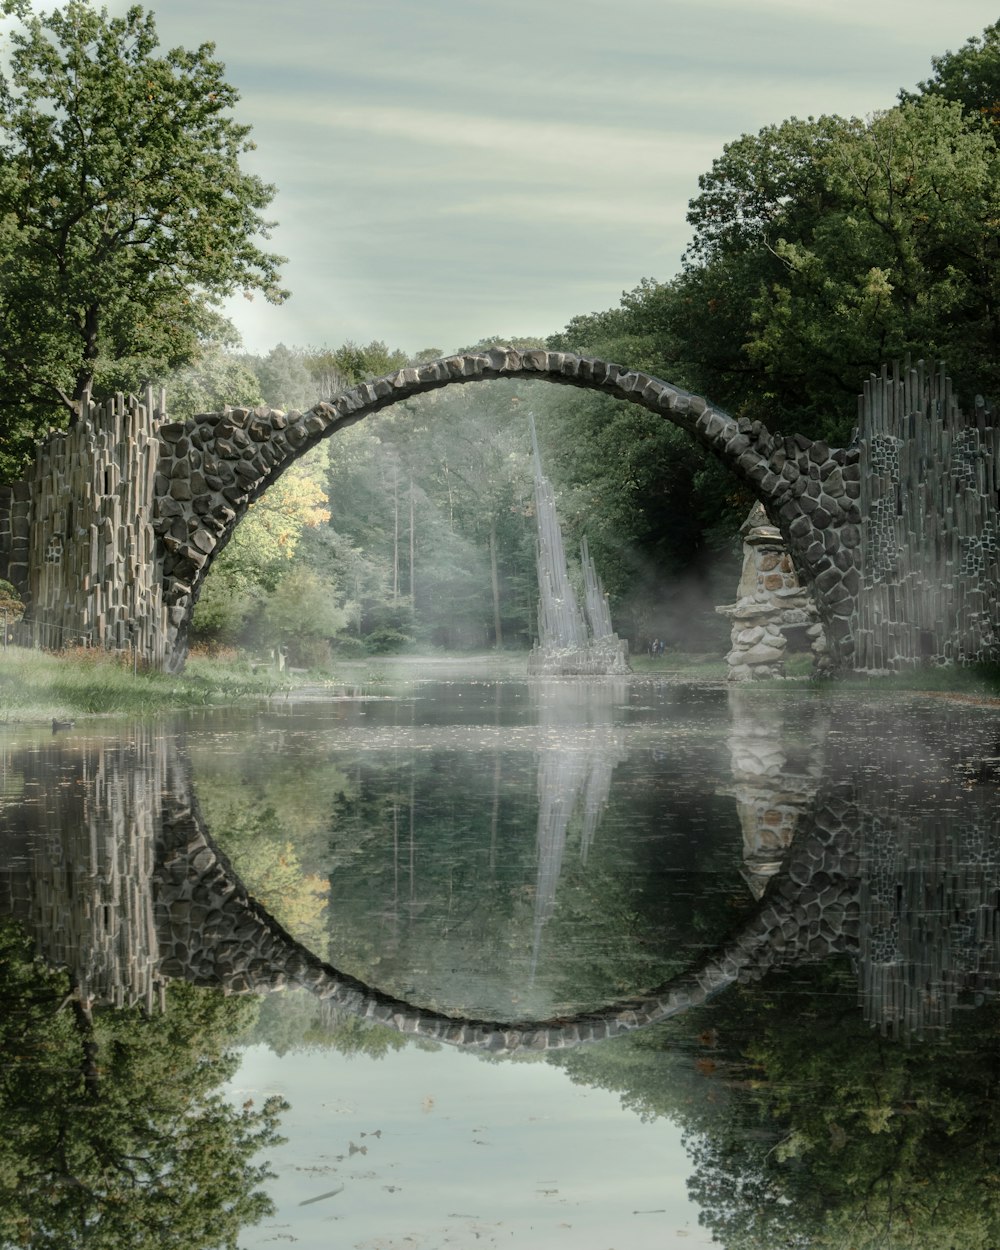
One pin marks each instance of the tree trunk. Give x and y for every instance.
(395, 534)
(412, 541)
(495, 581)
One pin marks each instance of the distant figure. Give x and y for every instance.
(655, 648)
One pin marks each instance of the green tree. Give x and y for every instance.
(340, 367)
(214, 378)
(125, 213)
(904, 260)
(971, 76)
(286, 379)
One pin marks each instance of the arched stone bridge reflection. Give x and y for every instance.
(117, 877)
(213, 933)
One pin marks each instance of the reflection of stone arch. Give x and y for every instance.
(214, 466)
(212, 932)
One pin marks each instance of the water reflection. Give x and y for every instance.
(574, 776)
(833, 866)
(885, 847)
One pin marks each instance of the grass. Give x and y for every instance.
(36, 686)
(688, 666)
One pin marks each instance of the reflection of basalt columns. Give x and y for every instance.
(930, 928)
(79, 859)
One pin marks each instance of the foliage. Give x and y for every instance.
(213, 379)
(970, 76)
(302, 615)
(340, 367)
(825, 247)
(255, 840)
(259, 554)
(125, 213)
(114, 1132)
(286, 380)
(298, 1021)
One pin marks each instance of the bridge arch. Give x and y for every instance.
(213, 466)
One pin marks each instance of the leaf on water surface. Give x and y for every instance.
(330, 1193)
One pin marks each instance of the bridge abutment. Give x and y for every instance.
(77, 537)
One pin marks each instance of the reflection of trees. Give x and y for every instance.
(113, 1131)
(871, 1143)
(806, 1128)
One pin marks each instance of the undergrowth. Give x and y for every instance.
(37, 686)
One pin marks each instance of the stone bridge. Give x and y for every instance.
(897, 537)
(110, 539)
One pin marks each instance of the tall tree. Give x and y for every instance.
(125, 212)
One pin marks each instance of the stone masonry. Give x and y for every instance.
(198, 477)
(771, 605)
(208, 470)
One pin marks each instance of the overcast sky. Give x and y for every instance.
(451, 169)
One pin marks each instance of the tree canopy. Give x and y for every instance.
(125, 214)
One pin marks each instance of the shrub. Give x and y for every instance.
(386, 641)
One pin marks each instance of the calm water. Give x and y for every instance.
(802, 890)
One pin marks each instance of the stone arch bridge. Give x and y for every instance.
(110, 537)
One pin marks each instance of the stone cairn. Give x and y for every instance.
(569, 644)
(771, 605)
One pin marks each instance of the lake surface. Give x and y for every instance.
(777, 911)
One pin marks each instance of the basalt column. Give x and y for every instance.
(77, 540)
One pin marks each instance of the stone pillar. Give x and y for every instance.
(770, 601)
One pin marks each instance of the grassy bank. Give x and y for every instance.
(35, 686)
(38, 687)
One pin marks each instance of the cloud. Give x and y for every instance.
(540, 140)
